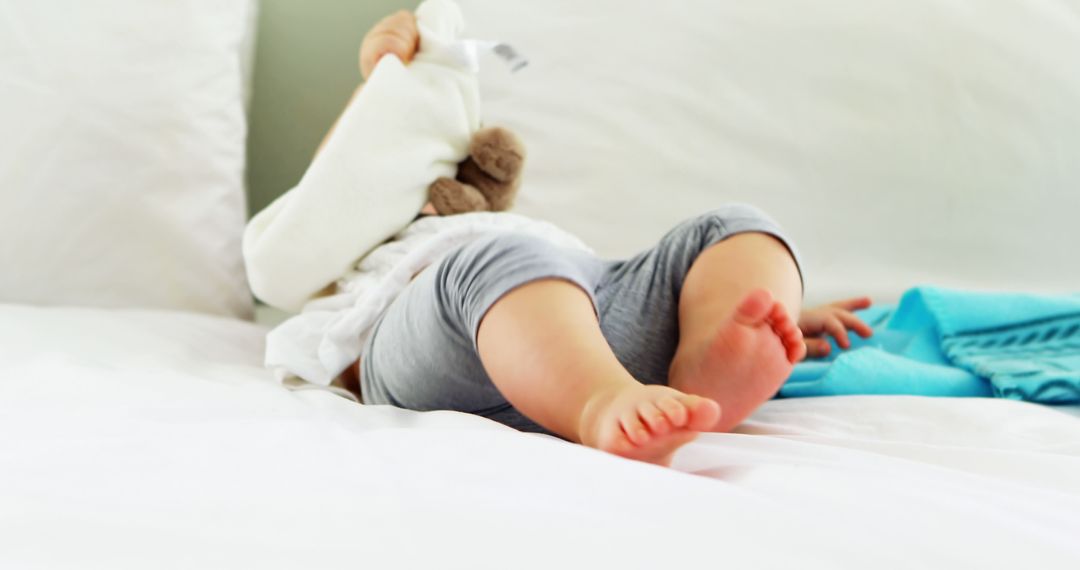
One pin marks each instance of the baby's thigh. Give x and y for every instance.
(421, 357)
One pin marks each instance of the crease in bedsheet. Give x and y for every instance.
(946, 342)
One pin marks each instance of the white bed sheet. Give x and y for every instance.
(140, 439)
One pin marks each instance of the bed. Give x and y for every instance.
(138, 438)
(141, 429)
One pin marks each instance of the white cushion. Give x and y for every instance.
(121, 160)
(899, 142)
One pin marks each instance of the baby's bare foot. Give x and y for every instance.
(746, 361)
(646, 422)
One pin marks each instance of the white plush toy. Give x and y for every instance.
(408, 126)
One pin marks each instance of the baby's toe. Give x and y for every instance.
(787, 330)
(704, 413)
(754, 308)
(633, 427)
(796, 347)
(779, 317)
(654, 418)
(674, 410)
(785, 327)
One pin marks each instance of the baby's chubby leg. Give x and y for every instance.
(505, 328)
(543, 348)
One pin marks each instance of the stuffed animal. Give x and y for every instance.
(487, 180)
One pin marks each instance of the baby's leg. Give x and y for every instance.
(506, 326)
(738, 337)
(542, 346)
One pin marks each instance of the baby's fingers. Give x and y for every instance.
(856, 324)
(853, 304)
(396, 34)
(400, 24)
(817, 347)
(836, 328)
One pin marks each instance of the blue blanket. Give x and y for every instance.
(942, 342)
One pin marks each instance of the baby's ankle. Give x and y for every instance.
(593, 411)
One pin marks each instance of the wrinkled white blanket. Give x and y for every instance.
(407, 127)
(328, 335)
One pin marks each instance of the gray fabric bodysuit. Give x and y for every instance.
(422, 353)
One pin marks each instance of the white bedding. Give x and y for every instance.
(139, 439)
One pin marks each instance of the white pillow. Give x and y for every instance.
(122, 153)
(899, 142)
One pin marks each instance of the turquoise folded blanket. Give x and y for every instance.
(943, 342)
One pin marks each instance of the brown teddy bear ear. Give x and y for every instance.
(498, 152)
(449, 196)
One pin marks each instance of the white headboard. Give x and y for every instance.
(899, 141)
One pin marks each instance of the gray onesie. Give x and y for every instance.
(422, 353)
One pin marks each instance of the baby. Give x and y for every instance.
(633, 357)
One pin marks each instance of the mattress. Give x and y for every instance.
(138, 439)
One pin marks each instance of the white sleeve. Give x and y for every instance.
(406, 127)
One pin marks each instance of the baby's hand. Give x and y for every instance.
(834, 319)
(396, 34)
